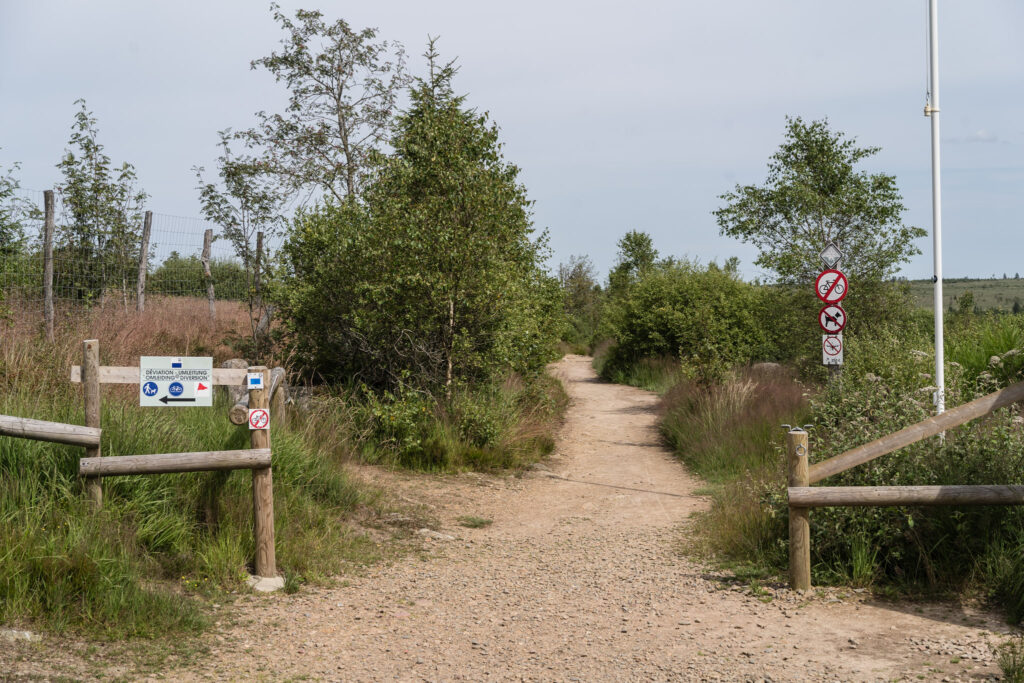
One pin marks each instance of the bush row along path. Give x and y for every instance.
(581, 578)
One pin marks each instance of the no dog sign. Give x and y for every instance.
(832, 319)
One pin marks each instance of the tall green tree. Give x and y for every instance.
(582, 293)
(14, 211)
(636, 257)
(98, 238)
(437, 277)
(814, 195)
(342, 86)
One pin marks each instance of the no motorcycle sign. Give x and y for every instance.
(259, 418)
(832, 349)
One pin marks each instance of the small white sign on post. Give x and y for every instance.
(832, 349)
(175, 381)
(259, 418)
(831, 255)
(254, 380)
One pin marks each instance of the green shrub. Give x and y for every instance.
(706, 317)
(178, 276)
(497, 425)
(992, 344)
(884, 388)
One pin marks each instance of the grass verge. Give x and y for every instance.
(145, 565)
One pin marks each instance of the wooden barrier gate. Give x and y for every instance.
(803, 497)
(93, 467)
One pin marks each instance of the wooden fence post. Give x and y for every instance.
(140, 284)
(91, 390)
(48, 262)
(258, 266)
(263, 485)
(207, 243)
(799, 517)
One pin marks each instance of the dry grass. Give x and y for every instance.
(730, 434)
(169, 325)
(725, 430)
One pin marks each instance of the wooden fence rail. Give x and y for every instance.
(109, 374)
(836, 496)
(56, 432)
(803, 497)
(164, 463)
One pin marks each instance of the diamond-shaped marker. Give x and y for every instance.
(830, 255)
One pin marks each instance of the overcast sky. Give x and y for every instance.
(621, 115)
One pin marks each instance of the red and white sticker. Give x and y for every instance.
(259, 418)
(203, 389)
(832, 349)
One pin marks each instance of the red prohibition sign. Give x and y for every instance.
(833, 346)
(831, 286)
(832, 318)
(258, 419)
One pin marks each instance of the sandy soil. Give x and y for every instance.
(580, 578)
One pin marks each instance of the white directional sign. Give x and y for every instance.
(175, 381)
(832, 349)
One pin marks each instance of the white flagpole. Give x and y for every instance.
(932, 110)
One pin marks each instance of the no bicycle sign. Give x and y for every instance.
(831, 286)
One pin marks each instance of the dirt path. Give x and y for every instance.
(579, 578)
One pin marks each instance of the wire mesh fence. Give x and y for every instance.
(97, 262)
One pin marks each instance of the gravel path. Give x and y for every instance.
(580, 578)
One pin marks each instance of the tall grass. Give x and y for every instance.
(730, 435)
(725, 431)
(990, 345)
(141, 566)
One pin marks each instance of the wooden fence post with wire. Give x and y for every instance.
(803, 496)
(48, 227)
(140, 283)
(205, 259)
